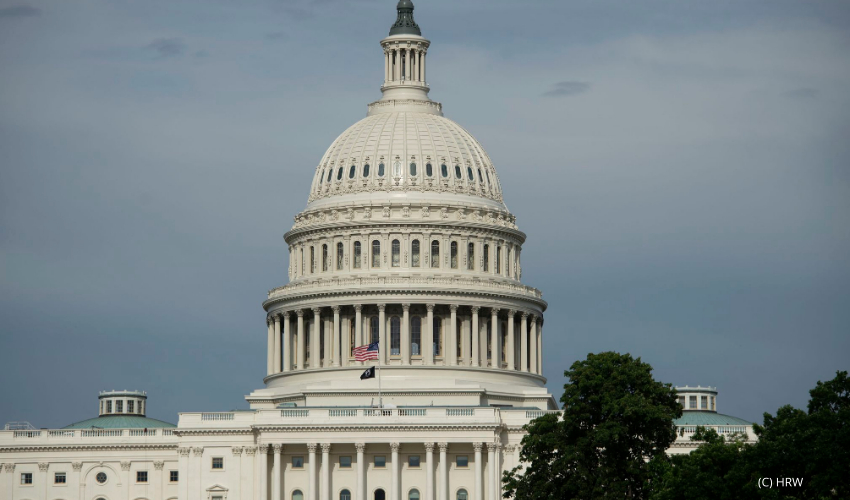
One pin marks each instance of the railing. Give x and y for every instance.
(143, 432)
(377, 412)
(168, 432)
(294, 413)
(216, 416)
(61, 433)
(720, 429)
(403, 281)
(342, 413)
(102, 432)
(460, 412)
(27, 434)
(534, 413)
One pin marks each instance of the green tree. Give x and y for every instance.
(616, 424)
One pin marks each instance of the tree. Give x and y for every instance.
(616, 419)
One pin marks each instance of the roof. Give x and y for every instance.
(120, 422)
(708, 418)
(404, 24)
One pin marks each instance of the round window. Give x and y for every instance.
(101, 477)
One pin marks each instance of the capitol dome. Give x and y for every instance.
(405, 244)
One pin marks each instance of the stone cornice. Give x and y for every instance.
(284, 428)
(82, 447)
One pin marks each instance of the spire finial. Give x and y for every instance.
(404, 24)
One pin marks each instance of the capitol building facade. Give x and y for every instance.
(405, 244)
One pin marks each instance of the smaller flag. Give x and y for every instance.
(369, 373)
(364, 352)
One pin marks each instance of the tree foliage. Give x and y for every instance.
(616, 424)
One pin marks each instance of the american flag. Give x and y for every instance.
(364, 352)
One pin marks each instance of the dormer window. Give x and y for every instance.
(330, 173)
(429, 171)
(366, 170)
(380, 169)
(339, 174)
(412, 168)
(444, 170)
(469, 174)
(351, 172)
(458, 175)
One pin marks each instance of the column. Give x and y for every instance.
(361, 472)
(451, 354)
(78, 480)
(383, 346)
(497, 472)
(314, 338)
(336, 340)
(491, 471)
(287, 343)
(476, 349)
(466, 338)
(479, 483)
(346, 333)
(397, 64)
(248, 471)
(182, 474)
(276, 472)
(511, 354)
(328, 357)
(277, 367)
(300, 354)
(195, 478)
(42, 477)
(495, 340)
(235, 473)
(407, 64)
(405, 335)
(523, 341)
(428, 337)
(326, 471)
(444, 473)
(386, 65)
(532, 345)
(429, 471)
(394, 488)
(540, 348)
(157, 479)
(422, 69)
(262, 472)
(311, 472)
(358, 326)
(270, 357)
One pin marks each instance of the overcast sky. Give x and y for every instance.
(681, 168)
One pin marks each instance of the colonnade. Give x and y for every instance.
(275, 486)
(404, 64)
(323, 337)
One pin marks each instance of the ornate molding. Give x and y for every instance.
(360, 447)
(443, 447)
(429, 447)
(158, 464)
(477, 446)
(125, 465)
(311, 447)
(326, 447)
(183, 452)
(394, 447)
(250, 450)
(198, 451)
(237, 451)
(77, 466)
(44, 466)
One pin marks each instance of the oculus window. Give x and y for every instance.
(101, 477)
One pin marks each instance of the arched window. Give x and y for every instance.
(366, 170)
(352, 340)
(324, 258)
(415, 335)
(486, 258)
(357, 253)
(339, 174)
(376, 253)
(429, 171)
(373, 329)
(351, 172)
(344, 495)
(297, 495)
(397, 169)
(381, 169)
(470, 256)
(480, 179)
(435, 253)
(444, 170)
(498, 259)
(395, 336)
(414, 253)
(340, 254)
(462, 495)
(413, 495)
(438, 336)
(330, 173)
(412, 168)
(312, 259)
(396, 253)
(454, 254)
(469, 174)
(458, 175)
(302, 261)
(380, 495)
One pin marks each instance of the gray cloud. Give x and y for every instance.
(168, 47)
(20, 11)
(803, 93)
(567, 88)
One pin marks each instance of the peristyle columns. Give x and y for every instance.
(301, 357)
(476, 349)
(287, 343)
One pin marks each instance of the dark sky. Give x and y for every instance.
(682, 170)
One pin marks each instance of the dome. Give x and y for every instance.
(708, 418)
(120, 422)
(406, 154)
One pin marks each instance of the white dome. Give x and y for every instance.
(375, 158)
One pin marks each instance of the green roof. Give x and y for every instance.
(120, 422)
(708, 418)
